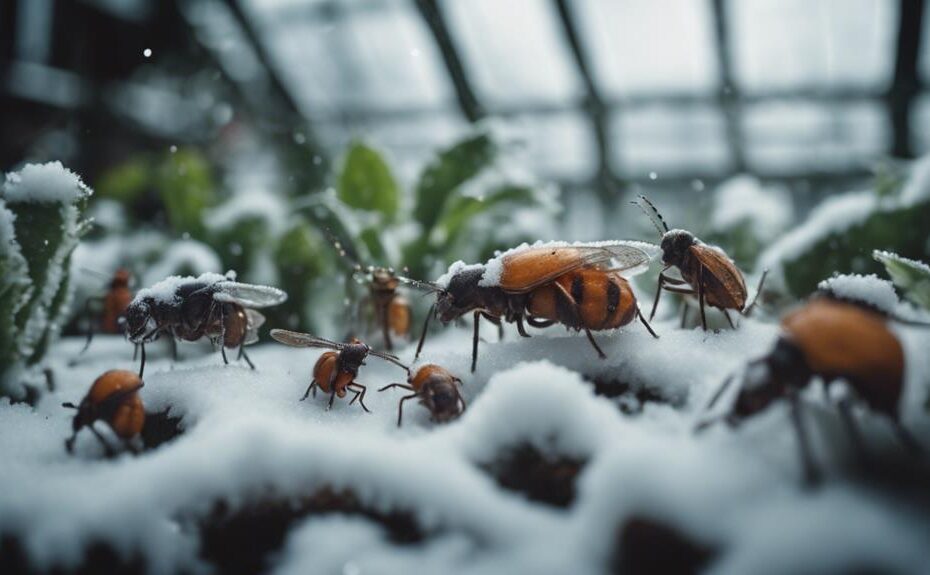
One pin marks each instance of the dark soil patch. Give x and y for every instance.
(646, 546)
(541, 477)
(241, 541)
(635, 396)
(99, 559)
(160, 428)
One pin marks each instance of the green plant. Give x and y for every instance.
(911, 276)
(41, 225)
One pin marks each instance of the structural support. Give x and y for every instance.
(906, 83)
(464, 93)
(728, 95)
(594, 104)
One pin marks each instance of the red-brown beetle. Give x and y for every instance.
(710, 275)
(113, 398)
(833, 339)
(335, 371)
(577, 285)
(437, 389)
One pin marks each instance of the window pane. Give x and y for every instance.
(514, 50)
(784, 44)
(666, 139)
(920, 124)
(559, 146)
(791, 136)
(650, 45)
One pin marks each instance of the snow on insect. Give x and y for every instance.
(706, 271)
(437, 389)
(112, 398)
(335, 371)
(837, 339)
(190, 308)
(578, 285)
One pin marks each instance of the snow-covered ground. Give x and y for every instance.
(247, 442)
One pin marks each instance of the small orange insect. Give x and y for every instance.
(834, 339)
(113, 398)
(577, 285)
(437, 389)
(335, 371)
(113, 306)
(706, 270)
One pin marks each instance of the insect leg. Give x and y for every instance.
(359, 395)
(579, 319)
(520, 328)
(332, 398)
(845, 408)
(429, 316)
(174, 349)
(535, 322)
(400, 406)
(684, 313)
(474, 342)
(729, 319)
(642, 318)
(223, 353)
(655, 302)
(907, 439)
(746, 312)
(312, 387)
(107, 448)
(393, 385)
(701, 296)
(245, 356)
(811, 474)
(135, 351)
(142, 364)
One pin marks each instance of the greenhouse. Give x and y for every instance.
(464, 286)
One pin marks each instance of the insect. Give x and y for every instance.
(437, 389)
(706, 271)
(833, 339)
(113, 307)
(335, 371)
(211, 305)
(389, 308)
(112, 398)
(577, 285)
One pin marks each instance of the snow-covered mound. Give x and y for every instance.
(356, 494)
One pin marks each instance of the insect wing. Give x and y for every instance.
(249, 295)
(723, 270)
(528, 269)
(255, 320)
(298, 339)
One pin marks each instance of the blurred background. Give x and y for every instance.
(245, 132)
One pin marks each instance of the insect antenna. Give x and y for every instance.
(652, 213)
(344, 253)
(389, 357)
(429, 287)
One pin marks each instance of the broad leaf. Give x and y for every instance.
(366, 182)
(913, 277)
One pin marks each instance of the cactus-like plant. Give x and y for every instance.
(41, 223)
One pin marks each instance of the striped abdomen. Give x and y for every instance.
(588, 297)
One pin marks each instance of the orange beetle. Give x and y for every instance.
(391, 309)
(706, 270)
(834, 339)
(335, 371)
(113, 304)
(577, 285)
(437, 389)
(113, 398)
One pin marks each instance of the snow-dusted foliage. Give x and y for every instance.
(41, 226)
(743, 200)
(356, 494)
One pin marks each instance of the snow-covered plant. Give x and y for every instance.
(40, 225)
(911, 276)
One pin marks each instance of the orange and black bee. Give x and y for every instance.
(706, 271)
(113, 307)
(834, 339)
(113, 398)
(189, 308)
(437, 389)
(577, 285)
(389, 308)
(335, 371)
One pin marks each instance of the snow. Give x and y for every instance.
(917, 188)
(455, 268)
(870, 289)
(166, 290)
(44, 183)
(883, 255)
(743, 199)
(250, 204)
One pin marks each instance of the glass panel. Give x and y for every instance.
(784, 44)
(791, 136)
(924, 63)
(664, 139)
(381, 58)
(514, 50)
(559, 146)
(650, 45)
(920, 125)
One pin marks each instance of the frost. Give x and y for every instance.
(44, 183)
(456, 268)
(870, 289)
(166, 290)
(743, 199)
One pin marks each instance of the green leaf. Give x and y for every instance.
(462, 209)
(371, 237)
(447, 172)
(125, 182)
(366, 182)
(913, 277)
(185, 182)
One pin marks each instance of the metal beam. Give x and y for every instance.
(906, 82)
(464, 93)
(728, 95)
(593, 103)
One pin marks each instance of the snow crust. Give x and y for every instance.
(44, 183)
(166, 290)
(870, 289)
